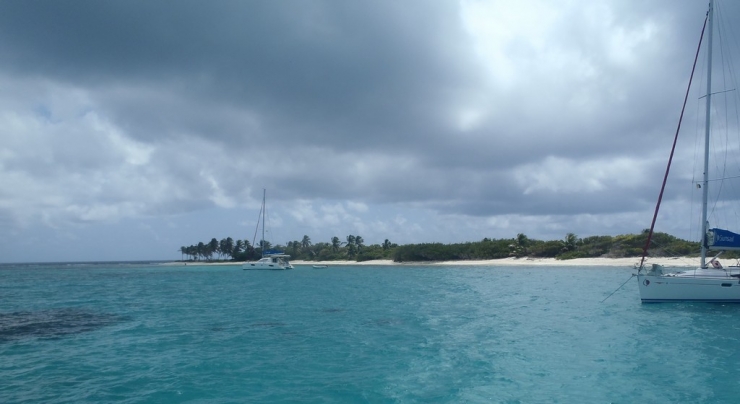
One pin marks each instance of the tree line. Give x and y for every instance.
(354, 248)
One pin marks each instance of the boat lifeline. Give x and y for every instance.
(710, 282)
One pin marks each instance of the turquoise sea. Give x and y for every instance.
(149, 333)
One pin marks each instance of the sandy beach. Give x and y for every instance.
(547, 262)
(686, 262)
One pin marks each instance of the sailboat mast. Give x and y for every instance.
(264, 194)
(705, 182)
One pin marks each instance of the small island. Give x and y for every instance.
(354, 249)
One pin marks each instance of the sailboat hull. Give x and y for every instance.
(673, 288)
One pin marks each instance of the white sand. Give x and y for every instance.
(548, 262)
(612, 262)
(343, 263)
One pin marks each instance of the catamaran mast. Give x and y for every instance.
(705, 182)
(264, 193)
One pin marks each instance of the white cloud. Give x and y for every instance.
(560, 175)
(357, 206)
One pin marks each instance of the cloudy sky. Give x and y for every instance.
(131, 128)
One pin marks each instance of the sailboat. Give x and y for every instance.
(271, 259)
(710, 282)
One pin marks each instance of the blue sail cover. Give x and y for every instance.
(720, 239)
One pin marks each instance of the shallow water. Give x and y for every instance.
(151, 333)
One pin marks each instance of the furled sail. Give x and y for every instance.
(719, 239)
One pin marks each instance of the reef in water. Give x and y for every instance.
(53, 323)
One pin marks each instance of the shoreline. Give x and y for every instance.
(631, 262)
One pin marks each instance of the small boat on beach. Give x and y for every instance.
(271, 259)
(710, 282)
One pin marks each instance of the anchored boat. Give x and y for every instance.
(271, 259)
(710, 282)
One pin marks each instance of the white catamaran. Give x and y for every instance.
(710, 282)
(271, 259)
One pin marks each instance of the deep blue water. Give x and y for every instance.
(163, 334)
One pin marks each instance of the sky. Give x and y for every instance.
(131, 128)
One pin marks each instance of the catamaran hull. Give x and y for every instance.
(270, 261)
(661, 288)
(255, 265)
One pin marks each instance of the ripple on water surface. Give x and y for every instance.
(149, 333)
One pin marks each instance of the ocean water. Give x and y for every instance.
(136, 333)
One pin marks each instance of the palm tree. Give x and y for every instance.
(358, 242)
(248, 249)
(228, 247)
(200, 250)
(221, 247)
(351, 246)
(293, 247)
(522, 243)
(386, 244)
(306, 242)
(212, 247)
(236, 252)
(335, 243)
(570, 242)
(193, 252)
(351, 250)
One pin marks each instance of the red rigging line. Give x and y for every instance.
(673, 148)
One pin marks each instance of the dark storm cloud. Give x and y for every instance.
(346, 74)
(124, 109)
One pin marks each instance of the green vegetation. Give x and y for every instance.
(354, 248)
